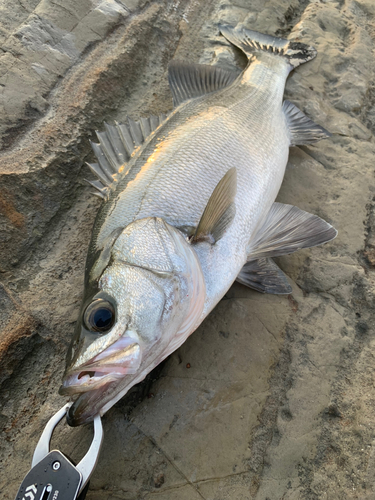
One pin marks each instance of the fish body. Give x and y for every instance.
(189, 213)
(175, 173)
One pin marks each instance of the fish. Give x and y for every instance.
(188, 207)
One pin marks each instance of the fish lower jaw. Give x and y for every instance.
(84, 381)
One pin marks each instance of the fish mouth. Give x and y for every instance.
(93, 379)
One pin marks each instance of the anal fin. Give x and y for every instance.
(264, 276)
(287, 229)
(302, 130)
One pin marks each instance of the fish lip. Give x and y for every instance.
(71, 385)
(87, 406)
(108, 366)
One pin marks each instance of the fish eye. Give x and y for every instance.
(99, 316)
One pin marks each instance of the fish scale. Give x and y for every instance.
(190, 212)
(170, 177)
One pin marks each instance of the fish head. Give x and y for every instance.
(148, 299)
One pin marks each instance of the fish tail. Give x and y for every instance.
(251, 42)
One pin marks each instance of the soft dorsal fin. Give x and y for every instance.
(302, 130)
(115, 147)
(220, 209)
(287, 229)
(264, 276)
(188, 81)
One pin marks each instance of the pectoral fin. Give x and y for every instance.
(220, 210)
(264, 276)
(287, 229)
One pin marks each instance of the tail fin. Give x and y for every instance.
(251, 41)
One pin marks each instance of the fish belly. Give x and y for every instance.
(260, 157)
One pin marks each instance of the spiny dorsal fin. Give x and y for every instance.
(188, 81)
(287, 229)
(264, 276)
(102, 191)
(220, 210)
(302, 130)
(115, 147)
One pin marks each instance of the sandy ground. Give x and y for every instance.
(272, 397)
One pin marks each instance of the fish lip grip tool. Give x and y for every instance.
(52, 475)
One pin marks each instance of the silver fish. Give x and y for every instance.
(189, 207)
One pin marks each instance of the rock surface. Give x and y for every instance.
(272, 397)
